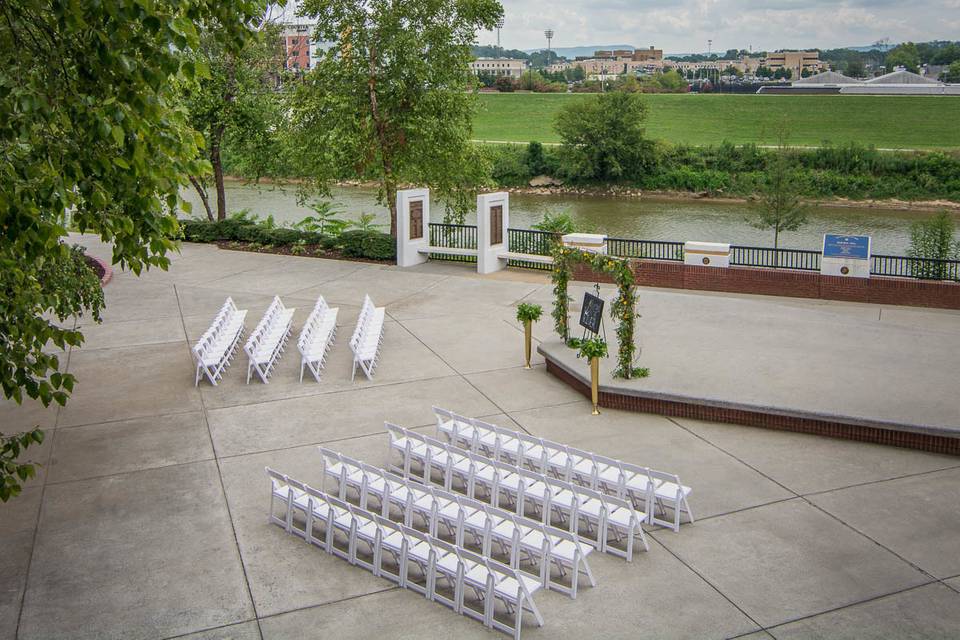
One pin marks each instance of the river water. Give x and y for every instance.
(645, 218)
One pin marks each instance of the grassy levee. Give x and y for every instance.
(893, 122)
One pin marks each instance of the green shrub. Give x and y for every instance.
(199, 231)
(379, 246)
(351, 242)
(310, 237)
(251, 233)
(233, 229)
(281, 236)
(329, 242)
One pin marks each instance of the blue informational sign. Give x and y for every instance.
(850, 247)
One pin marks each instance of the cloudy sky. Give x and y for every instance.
(685, 25)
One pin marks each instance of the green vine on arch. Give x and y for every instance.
(623, 310)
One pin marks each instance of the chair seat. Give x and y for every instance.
(670, 489)
(620, 516)
(367, 530)
(393, 541)
(509, 588)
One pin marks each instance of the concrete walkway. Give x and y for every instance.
(148, 519)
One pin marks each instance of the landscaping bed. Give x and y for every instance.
(243, 234)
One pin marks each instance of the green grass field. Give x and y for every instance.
(894, 122)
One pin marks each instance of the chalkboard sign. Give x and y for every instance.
(591, 312)
(849, 247)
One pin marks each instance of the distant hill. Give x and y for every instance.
(872, 47)
(573, 52)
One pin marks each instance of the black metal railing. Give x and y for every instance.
(650, 249)
(802, 259)
(464, 236)
(921, 268)
(538, 243)
(453, 236)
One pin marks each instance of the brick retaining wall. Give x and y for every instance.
(788, 282)
(758, 418)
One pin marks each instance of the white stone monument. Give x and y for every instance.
(493, 220)
(413, 226)
(592, 242)
(706, 254)
(845, 256)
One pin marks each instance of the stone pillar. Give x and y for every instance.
(413, 226)
(493, 220)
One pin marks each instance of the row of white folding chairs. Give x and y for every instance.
(266, 343)
(602, 473)
(602, 514)
(367, 337)
(522, 539)
(316, 337)
(461, 571)
(215, 349)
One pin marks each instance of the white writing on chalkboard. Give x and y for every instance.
(591, 312)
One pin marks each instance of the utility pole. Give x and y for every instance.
(709, 47)
(549, 34)
(499, 26)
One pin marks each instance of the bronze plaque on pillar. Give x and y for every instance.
(416, 219)
(496, 224)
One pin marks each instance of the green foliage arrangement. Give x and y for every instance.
(527, 312)
(623, 309)
(595, 347)
(934, 241)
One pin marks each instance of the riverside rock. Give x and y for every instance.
(545, 181)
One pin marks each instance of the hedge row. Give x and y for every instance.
(356, 243)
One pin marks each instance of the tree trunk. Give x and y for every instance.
(204, 197)
(215, 139)
(386, 148)
(390, 188)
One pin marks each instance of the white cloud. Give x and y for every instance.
(686, 25)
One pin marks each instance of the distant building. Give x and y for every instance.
(796, 61)
(605, 64)
(511, 67)
(897, 83)
(298, 46)
(647, 55)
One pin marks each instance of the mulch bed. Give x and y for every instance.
(309, 251)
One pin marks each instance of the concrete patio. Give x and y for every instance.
(149, 516)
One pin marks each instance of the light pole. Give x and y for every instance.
(499, 26)
(549, 34)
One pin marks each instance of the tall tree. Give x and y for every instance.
(903, 55)
(603, 137)
(779, 206)
(87, 125)
(233, 103)
(952, 74)
(388, 100)
(934, 242)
